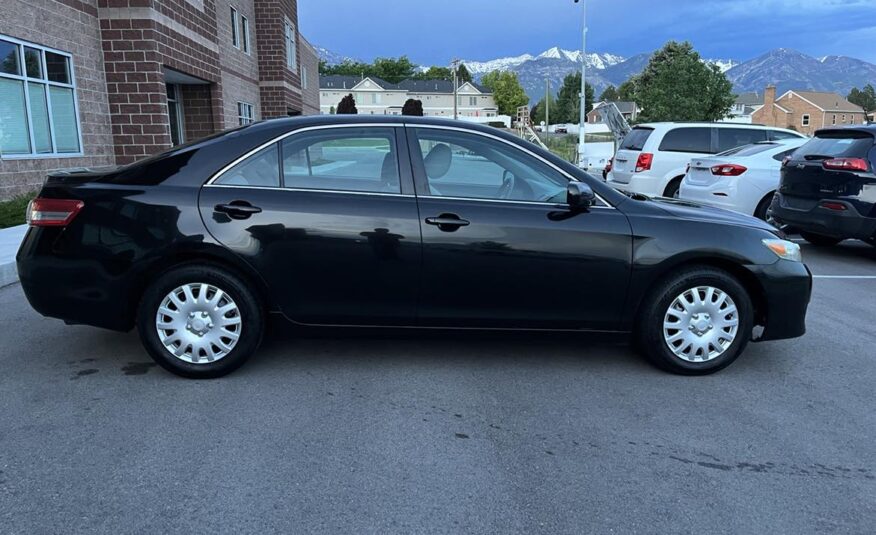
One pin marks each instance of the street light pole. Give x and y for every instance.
(547, 107)
(582, 146)
(455, 89)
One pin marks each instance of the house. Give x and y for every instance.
(99, 82)
(807, 111)
(744, 107)
(630, 111)
(375, 96)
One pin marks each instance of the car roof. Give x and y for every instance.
(717, 124)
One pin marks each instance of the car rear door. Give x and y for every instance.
(328, 216)
(501, 248)
(624, 164)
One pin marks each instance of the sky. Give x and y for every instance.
(432, 32)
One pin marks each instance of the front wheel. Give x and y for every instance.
(200, 321)
(696, 322)
(820, 239)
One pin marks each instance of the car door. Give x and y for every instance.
(500, 246)
(328, 216)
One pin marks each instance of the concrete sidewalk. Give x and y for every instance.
(10, 239)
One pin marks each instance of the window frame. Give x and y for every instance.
(241, 117)
(26, 81)
(290, 37)
(244, 33)
(805, 119)
(177, 103)
(235, 32)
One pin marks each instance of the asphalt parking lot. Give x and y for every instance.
(445, 434)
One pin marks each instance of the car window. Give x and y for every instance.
(636, 138)
(692, 139)
(729, 138)
(749, 150)
(471, 166)
(262, 169)
(342, 159)
(779, 135)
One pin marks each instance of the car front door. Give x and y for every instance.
(329, 218)
(500, 246)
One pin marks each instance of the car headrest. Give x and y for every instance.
(437, 162)
(389, 171)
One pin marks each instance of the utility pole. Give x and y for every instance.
(582, 146)
(547, 107)
(455, 64)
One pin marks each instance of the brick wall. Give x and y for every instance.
(310, 62)
(240, 71)
(69, 26)
(197, 105)
(280, 85)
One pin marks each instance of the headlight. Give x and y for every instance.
(785, 249)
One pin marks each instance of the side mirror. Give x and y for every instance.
(580, 196)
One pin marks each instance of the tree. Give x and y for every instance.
(413, 107)
(865, 98)
(610, 94)
(435, 73)
(626, 91)
(507, 91)
(394, 70)
(569, 100)
(347, 106)
(462, 74)
(538, 112)
(677, 86)
(331, 110)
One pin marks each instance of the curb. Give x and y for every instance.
(10, 239)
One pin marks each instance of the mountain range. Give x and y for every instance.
(786, 68)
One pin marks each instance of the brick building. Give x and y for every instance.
(807, 111)
(103, 82)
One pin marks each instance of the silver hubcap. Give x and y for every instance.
(198, 323)
(700, 324)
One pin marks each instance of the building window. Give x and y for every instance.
(175, 115)
(851, 119)
(304, 77)
(472, 101)
(805, 120)
(844, 118)
(834, 119)
(291, 48)
(376, 98)
(244, 33)
(38, 110)
(235, 37)
(244, 113)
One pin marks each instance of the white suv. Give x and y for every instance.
(653, 158)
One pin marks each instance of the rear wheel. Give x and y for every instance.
(672, 188)
(763, 207)
(696, 322)
(200, 322)
(820, 239)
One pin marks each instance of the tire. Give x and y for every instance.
(763, 207)
(653, 340)
(672, 188)
(820, 239)
(206, 351)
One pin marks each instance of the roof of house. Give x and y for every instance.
(826, 101)
(415, 86)
(337, 81)
(750, 99)
(435, 86)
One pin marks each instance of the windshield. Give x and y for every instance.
(837, 145)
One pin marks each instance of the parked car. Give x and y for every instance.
(652, 158)
(828, 187)
(396, 222)
(743, 179)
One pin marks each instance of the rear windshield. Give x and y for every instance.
(730, 138)
(636, 139)
(837, 145)
(749, 150)
(697, 139)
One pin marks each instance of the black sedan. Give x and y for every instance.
(396, 222)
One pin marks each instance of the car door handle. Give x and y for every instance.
(447, 222)
(237, 209)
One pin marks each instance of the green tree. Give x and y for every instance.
(435, 73)
(538, 112)
(507, 91)
(462, 74)
(394, 70)
(347, 106)
(610, 94)
(865, 98)
(626, 91)
(569, 100)
(677, 86)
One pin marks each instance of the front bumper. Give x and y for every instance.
(787, 288)
(809, 215)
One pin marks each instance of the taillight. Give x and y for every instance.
(52, 212)
(643, 163)
(836, 206)
(729, 170)
(846, 164)
(785, 160)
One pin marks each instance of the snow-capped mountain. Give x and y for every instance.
(330, 57)
(594, 60)
(723, 64)
(790, 69)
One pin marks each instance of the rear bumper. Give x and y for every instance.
(720, 195)
(639, 183)
(787, 289)
(848, 223)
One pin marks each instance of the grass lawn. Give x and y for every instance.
(12, 211)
